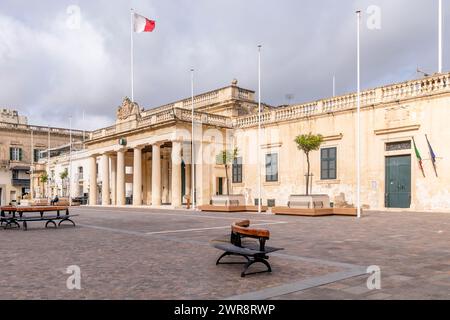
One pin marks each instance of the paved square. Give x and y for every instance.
(165, 254)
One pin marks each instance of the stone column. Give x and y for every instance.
(93, 180)
(176, 174)
(105, 179)
(165, 177)
(156, 175)
(137, 177)
(113, 180)
(120, 178)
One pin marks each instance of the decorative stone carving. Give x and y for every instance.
(127, 109)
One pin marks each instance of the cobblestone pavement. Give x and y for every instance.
(165, 254)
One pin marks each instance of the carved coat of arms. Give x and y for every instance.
(127, 109)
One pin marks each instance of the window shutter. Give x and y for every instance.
(20, 154)
(11, 154)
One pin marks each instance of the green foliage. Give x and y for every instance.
(63, 175)
(226, 157)
(308, 142)
(44, 177)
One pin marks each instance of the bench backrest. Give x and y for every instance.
(241, 229)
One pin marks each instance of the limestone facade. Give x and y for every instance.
(145, 157)
(17, 157)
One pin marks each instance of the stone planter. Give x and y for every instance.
(232, 200)
(313, 201)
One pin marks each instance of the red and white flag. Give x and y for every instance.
(142, 24)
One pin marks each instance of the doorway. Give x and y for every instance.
(398, 182)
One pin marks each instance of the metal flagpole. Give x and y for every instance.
(84, 131)
(358, 121)
(32, 167)
(259, 129)
(440, 37)
(334, 85)
(70, 161)
(131, 55)
(48, 163)
(192, 146)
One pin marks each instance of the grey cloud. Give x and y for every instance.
(49, 72)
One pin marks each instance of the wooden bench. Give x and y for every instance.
(253, 251)
(11, 215)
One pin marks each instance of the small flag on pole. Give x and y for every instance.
(419, 158)
(432, 155)
(142, 24)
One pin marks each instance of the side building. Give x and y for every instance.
(22, 145)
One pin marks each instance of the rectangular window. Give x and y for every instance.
(237, 170)
(328, 163)
(36, 155)
(15, 154)
(271, 167)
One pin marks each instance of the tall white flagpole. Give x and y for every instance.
(334, 86)
(70, 161)
(32, 167)
(358, 121)
(48, 163)
(440, 37)
(259, 129)
(131, 55)
(193, 171)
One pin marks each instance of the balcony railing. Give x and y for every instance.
(20, 182)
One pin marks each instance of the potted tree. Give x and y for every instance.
(226, 158)
(307, 143)
(63, 175)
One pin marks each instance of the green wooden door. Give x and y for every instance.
(398, 182)
(220, 186)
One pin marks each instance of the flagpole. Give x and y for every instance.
(192, 146)
(131, 56)
(32, 166)
(259, 129)
(334, 85)
(440, 38)
(358, 120)
(70, 161)
(48, 163)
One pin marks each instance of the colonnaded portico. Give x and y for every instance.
(159, 173)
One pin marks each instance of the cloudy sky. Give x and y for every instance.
(50, 70)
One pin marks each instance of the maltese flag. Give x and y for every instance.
(142, 24)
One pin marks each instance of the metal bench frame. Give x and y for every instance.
(252, 252)
(12, 218)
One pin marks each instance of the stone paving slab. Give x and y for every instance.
(164, 254)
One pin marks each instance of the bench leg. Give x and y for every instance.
(255, 260)
(52, 222)
(25, 226)
(233, 262)
(10, 223)
(67, 219)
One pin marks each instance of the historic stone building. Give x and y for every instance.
(145, 157)
(21, 145)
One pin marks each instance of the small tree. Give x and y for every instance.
(225, 158)
(307, 143)
(44, 177)
(63, 175)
